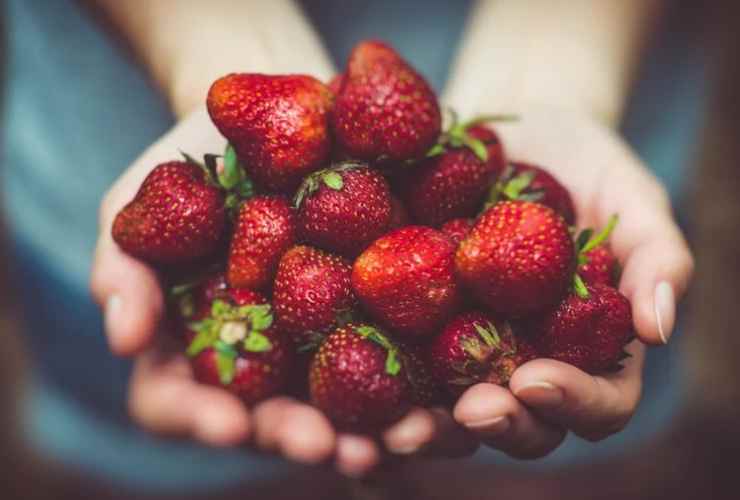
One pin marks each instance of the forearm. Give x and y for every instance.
(567, 54)
(188, 44)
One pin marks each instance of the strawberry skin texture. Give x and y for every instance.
(175, 217)
(311, 289)
(258, 375)
(265, 229)
(348, 219)
(518, 259)
(602, 267)
(587, 333)
(555, 195)
(384, 109)
(349, 383)
(456, 369)
(457, 229)
(406, 280)
(425, 390)
(277, 124)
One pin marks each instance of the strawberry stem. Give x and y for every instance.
(602, 236)
(580, 287)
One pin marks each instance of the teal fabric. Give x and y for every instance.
(77, 110)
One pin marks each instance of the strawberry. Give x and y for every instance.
(236, 346)
(589, 332)
(518, 258)
(265, 229)
(344, 208)
(384, 110)
(472, 348)
(277, 124)
(425, 390)
(177, 215)
(399, 214)
(335, 84)
(522, 181)
(406, 281)
(358, 378)
(596, 263)
(457, 229)
(312, 292)
(454, 180)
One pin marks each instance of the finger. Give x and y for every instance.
(129, 293)
(165, 399)
(501, 421)
(296, 430)
(432, 431)
(593, 407)
(356, 455)
(657, 262)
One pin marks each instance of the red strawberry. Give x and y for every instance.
(358, 378)
(457, 229)
(384, 109)
(236, 346)
(589, 333)
(454, 181)
(399, 215)
(335, 84)
(425, 390)
(596, 264)
(312, 292)
(472, 349)
(344, 208)
(518, 258)
(177, 215)
(265, 229)
(522, 181)
(278, 124)
(406, 281)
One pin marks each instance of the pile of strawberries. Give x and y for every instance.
(346, 249)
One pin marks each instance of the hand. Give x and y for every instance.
(547, 398)
(164, 398)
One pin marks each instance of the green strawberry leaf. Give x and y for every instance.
(205, 338)
(232, 171)
(220, 309)
(477, 146)
(583, 238)
(225, 363)
(333, 180)
(257, 342)
(260, 317)
(580, 287)
(436, 150)
(489, 335)
(245, 188)
(602, 236)
(186, 305)
(392, 363)
(513, 189)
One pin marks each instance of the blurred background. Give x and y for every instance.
(691, 457)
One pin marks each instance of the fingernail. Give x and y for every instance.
(491, 426)
(112, 313)
(665, 310)
(354, 453)
(404, 439)
(541, 394)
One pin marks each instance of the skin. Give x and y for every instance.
(571, 137)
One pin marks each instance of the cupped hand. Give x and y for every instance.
(547, 398)
(164, 397)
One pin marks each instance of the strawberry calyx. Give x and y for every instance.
(457, 136)
(513, 187)
(584, 243)
(228, 328)
(330, 177)
(489, 362)
(393, 359)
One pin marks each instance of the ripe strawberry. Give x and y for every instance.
(265, 229)
(518, 258)
(472, 349)
(358, 378)
(589, 333)
(236, 346)
(177, 215)
(406, 281)
(425, 391)
(312, 292)
(457, 229)
(454, 180)
(335, 84)
(277, 124)
(384, 110)
(344, 208)
(399, 215)
(596, 264)
(522, 181)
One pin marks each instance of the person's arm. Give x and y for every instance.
(563, 54)
(188, 44)
(564, 67)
